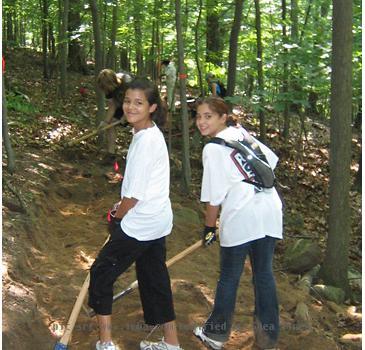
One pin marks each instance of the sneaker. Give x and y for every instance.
(161, 345)
(106, 346)
(210, 343)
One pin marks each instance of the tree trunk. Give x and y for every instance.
(5, 131)
(260, 74)
(335, 265)
(98, 59)
(214, 35)
(233, 40)
(76, 52)
(64, 49)
(307, 13)
(138, 33)
(197, 47)
(285, 87)
(44, 8)
(186, 178)
(111, 57)
(124, 60)
(294, 20)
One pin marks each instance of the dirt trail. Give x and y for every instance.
(69, 230)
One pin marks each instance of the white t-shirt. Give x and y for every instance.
(170, 72)
(247, 213)
(147, 178)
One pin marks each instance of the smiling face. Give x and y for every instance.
(209, 123)
(137, 110)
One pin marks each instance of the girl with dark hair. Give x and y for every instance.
(139, 224)
(250, 222)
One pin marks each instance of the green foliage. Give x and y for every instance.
(308, 57)
(19, 103)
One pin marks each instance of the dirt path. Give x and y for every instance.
(69, 229)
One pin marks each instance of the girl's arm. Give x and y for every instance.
(211, 215)
(125, 205)
(214, 89)
(111, 110)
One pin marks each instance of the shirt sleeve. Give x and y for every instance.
(139, 166)
(215, 183)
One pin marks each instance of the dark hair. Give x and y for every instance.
(165, 62)
(153, 97)
(218, 105)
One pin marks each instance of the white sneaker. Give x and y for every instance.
(210, 343)
(161, 345)
(106, 346)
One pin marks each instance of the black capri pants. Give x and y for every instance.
(115, 257)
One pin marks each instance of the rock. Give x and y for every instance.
(302, 256)
(331, 293)
(354, 277)
(303, 321)
(185, 216)
(305, 282)
(335, 308)
(353, 339)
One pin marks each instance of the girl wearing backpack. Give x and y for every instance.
(139, 224)
(250, 223)
(215, 86)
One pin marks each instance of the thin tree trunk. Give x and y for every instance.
(186, 178)
(5, 131)
(44, 9)
(98, 59)
(233, 40)
(214, 36)
(307, 14)
(294, 20)
(285, 87)
(197, 46)
(138, 33)
(335, 265)
(111, 58)
(260, 74)
(64, 49)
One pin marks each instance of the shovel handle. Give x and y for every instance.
(98, 130)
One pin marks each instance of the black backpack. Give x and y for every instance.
(222, 88)
(257, 170)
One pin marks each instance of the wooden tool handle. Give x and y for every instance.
(170, 262)
(76, 310)
(103, 128)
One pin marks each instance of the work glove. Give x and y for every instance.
(209, 235)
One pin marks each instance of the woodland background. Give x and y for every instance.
(293, 75)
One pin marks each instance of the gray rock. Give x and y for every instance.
(302, 256)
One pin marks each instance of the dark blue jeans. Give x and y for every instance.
(266, 315)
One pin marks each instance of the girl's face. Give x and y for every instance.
(209, 123)
(137, 110)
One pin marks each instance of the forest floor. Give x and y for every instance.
(54, 222)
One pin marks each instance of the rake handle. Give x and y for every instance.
(62, 343)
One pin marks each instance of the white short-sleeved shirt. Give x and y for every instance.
(147, 178)
(246, 214)
(170, 72)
